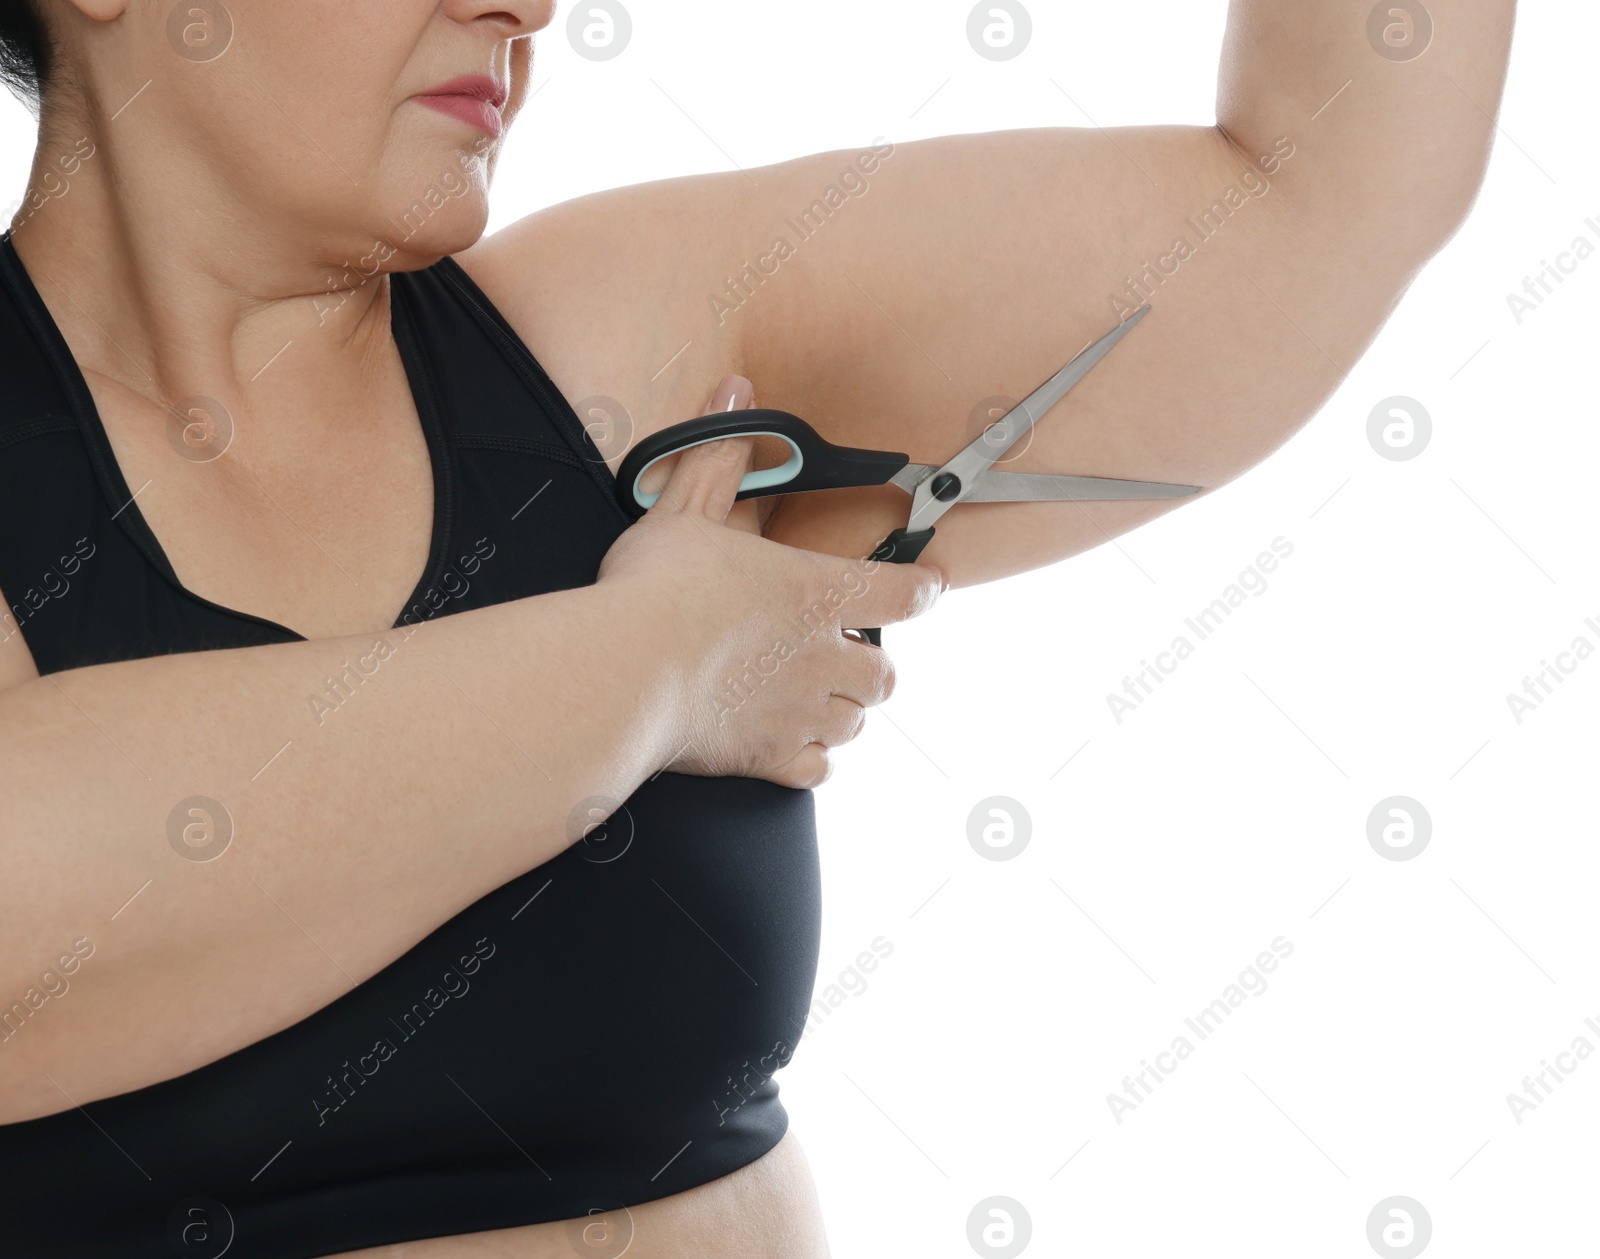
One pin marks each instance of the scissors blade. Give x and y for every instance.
(1029, 487)
(991, 444)
(1046, 487)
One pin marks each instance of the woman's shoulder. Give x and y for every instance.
(611, 292)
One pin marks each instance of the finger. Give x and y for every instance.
(751, 515)
(886, 594)
(745, 516)
(809, 767)
(866, 673)
(734, 393)
(771, 452)
(842, 720)
(706, 478)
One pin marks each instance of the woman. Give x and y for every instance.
(352, 967)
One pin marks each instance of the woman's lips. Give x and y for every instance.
(474, 99)
(467, 109)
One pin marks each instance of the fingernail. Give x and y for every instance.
(733, 394)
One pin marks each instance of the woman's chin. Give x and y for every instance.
(421, 233)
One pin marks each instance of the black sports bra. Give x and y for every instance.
(599, 1032)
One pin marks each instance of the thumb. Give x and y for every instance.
(892, 593)
(705, 478)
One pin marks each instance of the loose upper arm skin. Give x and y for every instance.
(971, 267)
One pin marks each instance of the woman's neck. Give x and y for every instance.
(168, 285)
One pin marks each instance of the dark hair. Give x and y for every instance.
(24, 50)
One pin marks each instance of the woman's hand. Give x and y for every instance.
(770, 680)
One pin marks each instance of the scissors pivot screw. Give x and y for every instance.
(815, 464)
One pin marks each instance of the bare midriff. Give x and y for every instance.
(765, 1210)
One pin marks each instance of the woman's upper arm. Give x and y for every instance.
(1272, 248)
(899, 307)
(16, 661)
(899, 296)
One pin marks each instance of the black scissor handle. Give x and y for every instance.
(903, 546)
(814, 464)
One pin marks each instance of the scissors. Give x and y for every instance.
(815, 464)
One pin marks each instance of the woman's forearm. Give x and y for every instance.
(204, 848)
(234, 838)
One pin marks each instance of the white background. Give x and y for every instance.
(1232, 807)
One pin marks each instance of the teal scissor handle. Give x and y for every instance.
(760, 479)
(813, 464)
